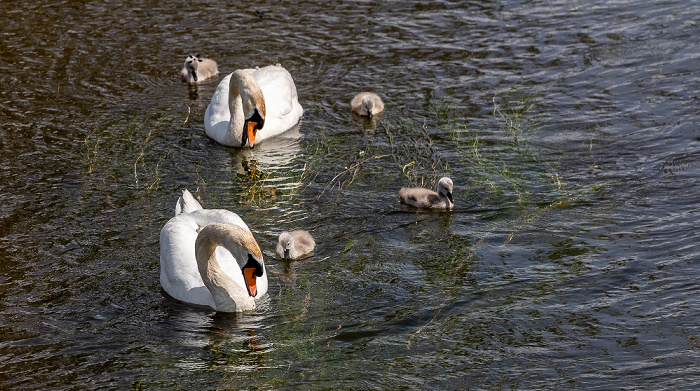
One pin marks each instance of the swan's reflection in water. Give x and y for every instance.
(272, 154)
(268, 170)
(212, 339)
(193, 92)
(369, 124)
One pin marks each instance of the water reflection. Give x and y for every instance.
(230, 340)
(272, 154)
(369, 124)
(193, 92)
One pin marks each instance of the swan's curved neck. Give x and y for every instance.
(235, 105)
(228, 295)
(244, 96)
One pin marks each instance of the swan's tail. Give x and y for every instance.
(186, 203)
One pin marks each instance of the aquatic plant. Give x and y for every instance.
(120, 149)
(254, 183)
(129, 153)
(413, 148)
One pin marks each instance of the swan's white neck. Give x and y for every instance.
(228, 295)
(244, 96)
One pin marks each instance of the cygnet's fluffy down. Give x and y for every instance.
(198, 69)
(425, 198)
(367, 104)
(295, 244)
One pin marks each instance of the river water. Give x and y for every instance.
(570, 129)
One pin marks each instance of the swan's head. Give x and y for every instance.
(253, 102)
(368, 105)
(250, 260)
(444, 188)
(287, 242)
(251, 270)
(251, 126)
(191, 64)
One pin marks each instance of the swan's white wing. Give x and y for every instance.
(179, 275)
(278, 88)
(204, 217)
(281, 100)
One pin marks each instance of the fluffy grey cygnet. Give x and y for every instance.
(425, 198)
(198, 69)
(367, 104)
(295, 244)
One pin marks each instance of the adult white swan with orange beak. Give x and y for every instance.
(251, 105)
(209, 257)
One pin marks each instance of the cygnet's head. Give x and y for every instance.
(368, 105)
(444, 188)
(192, 63)
(287, 242)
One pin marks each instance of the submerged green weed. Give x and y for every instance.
(123, 149)
(254, 183)
(345, 164)
(500, 157)
(496, 155)
(413, 148)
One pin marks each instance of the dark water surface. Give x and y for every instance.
(570, 128)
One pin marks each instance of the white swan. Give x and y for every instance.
(367, 104)
(198, 69)
(425, 198)
(251, 105)
(209, 257)
(295, 244)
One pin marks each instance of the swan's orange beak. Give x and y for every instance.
(249, 276)
(251, 133)
(252, 124)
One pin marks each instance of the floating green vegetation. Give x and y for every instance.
(440, 111)
(502, 156)
(495, 156)
(345, 162)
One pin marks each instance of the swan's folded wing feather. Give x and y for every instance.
(279, 90)
(179, 273)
